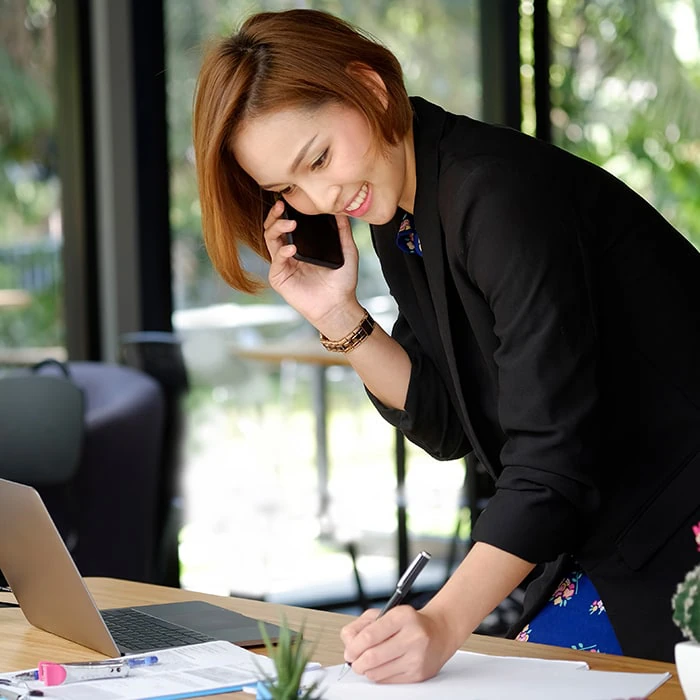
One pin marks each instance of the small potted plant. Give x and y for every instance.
(290, 656)
(686, 614)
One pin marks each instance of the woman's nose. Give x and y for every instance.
(324, 200)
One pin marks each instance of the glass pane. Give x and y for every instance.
(252, 476)
(31, 284)
(626, 95)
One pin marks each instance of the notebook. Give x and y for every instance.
(53, 596)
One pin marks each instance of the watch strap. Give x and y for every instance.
(356, 336)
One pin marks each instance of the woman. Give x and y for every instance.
(549, 321)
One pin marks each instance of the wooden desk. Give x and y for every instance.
(310, 351)
(22, 645)
(14, 298)
(307, 350)
(28, 356)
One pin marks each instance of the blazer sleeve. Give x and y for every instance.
(524, 252)
(428, 419)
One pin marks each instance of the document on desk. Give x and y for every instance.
(469, 676)
(183, 672)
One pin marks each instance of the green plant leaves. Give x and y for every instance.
(290, 656)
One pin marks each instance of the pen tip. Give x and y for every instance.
(344, 670)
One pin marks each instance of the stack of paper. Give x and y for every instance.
(215, 667)
(469, 676)
(184, 672)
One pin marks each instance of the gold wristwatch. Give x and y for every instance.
(353, 338)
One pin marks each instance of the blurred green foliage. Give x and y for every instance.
(625, 81)
(28, 191)
(40, 324)
(29, 188)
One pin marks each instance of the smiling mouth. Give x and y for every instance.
(359, 199)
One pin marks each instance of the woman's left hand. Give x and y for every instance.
(403, 646)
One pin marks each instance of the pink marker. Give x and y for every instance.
(56, 674)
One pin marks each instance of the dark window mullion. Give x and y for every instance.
(542, 62)
(500, 62)
(76, 164)
(153, 208)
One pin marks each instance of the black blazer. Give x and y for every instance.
(553, 324)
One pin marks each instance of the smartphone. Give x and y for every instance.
(316, 237)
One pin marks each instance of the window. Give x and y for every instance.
(625, 89)
(31, 284)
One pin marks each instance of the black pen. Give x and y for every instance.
(403, 587)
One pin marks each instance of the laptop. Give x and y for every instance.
(53, 596)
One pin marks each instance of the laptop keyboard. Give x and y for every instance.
(134, 630)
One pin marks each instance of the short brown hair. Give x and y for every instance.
(278, 60)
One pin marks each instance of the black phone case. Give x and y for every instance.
(316, 238)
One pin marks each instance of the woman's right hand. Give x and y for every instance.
(403, 646)
(325, 297)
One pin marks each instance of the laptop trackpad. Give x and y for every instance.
(213, 620)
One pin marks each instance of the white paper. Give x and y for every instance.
(198, 667)
(466, 676)
(469, 676)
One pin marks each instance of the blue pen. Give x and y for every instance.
(32, 675)
(141, 661)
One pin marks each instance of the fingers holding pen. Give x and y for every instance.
(366, 646)
(351, 630)
(366, 639)
(400, 647)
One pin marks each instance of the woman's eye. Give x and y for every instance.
(287, 190)
(320, 161)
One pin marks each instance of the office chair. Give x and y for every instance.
(159, 354)
(117, 483)
(41, 439)
(88, 437)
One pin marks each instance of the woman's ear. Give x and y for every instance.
(371, 79)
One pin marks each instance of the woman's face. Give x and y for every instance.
(324, 161)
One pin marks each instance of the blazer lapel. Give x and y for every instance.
(428, 128)
(429, 123)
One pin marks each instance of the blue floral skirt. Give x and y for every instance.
(573, 617)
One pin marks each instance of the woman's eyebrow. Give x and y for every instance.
(297, 160)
